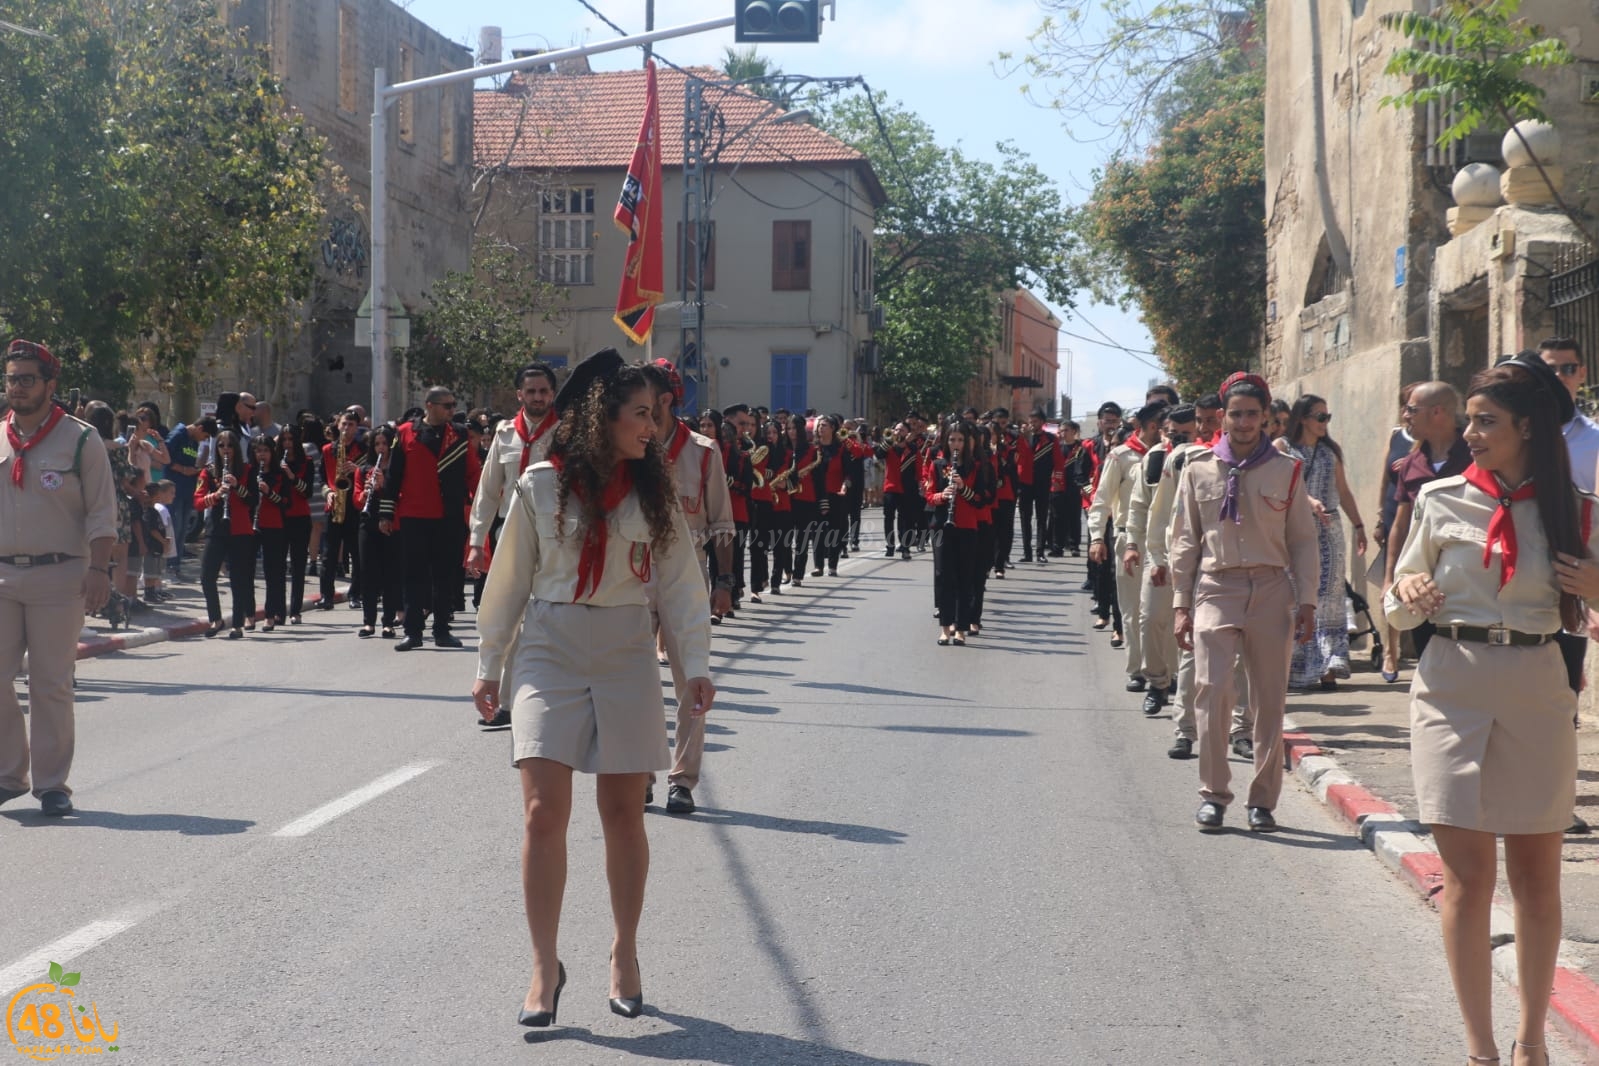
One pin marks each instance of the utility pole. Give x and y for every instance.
(695, 226)
(649, 25)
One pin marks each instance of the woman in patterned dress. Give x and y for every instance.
(1325, 659)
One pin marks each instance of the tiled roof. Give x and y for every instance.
(591, 121)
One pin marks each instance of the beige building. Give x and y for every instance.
(788, 268)
(323, 52)
(1021, 370)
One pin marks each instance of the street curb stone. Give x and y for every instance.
(139, 638)
(1402, 845)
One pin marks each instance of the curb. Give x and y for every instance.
(139, 638)
(1403, 846)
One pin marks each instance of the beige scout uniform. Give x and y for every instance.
(1234, 577)
(1154, 604)
(1491, 743)
(66, 500)
(501, 469)
(1158, 611)
(702, 487)
(1111, 501)
(582, 685)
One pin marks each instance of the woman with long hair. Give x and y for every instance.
(565, 620)
(826, 459)
(1325, 659)
(957, 487)
(802, 500)
(272, 492)
(297, 469)
(314, 434)
(1500, 560)
(776, 534)
(226, 497)
(740, 482)
(381, 564)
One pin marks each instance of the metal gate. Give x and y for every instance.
(1574, 300)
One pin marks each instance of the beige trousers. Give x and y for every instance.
(1160, 641)
(1248, 613)
(1129, 588)
(41, 615)
(688, 739)
(1243, 722)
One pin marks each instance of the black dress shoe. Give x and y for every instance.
(649, 796)
(55, 803)
(9, 794)
(447, 640)
(1209, 816)
(1027, 557)
(1136, 684)
(1086, 586)
(1261, 821)
(1244, 748)
(1181, 748)
(541, 1019)
(629, 1006)
(888, 553)
(501, 717)
(1153, 702)
(410, 643)
(679, 800)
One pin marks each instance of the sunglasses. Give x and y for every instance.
(1323, 418)
(448, 405)
(1567, 370)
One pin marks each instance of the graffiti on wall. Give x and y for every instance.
(344, 248)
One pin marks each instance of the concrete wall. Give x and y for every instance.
(746, 321)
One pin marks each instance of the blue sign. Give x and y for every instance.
(1399, 266)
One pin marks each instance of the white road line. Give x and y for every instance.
(36, 967)
(349, 802)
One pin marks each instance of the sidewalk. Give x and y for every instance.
(1352, 748)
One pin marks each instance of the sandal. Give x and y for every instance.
(959, 640)
(269, 626)
(366, 631)
(1514, 1044)
(1103, 623)
(388, 632)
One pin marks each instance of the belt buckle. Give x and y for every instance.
(22, 560)
(1498, 636)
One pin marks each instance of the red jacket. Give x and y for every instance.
(969, 502)
(425, 483)
(241, 521)
(1035, 460)
(272, 504)
(299, 487)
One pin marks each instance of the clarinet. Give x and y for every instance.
(374, 485)
(227, 494)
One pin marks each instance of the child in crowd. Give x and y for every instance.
(161, 547)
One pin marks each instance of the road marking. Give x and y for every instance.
(349, 802)
(36, 966)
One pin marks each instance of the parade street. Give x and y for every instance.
(300, 848)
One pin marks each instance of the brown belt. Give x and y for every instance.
(48, 559)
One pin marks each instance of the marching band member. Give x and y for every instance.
(340, 541)
(802, 496)
(297, 468)
(740, 477)
(226, 495)
(902, 497)
(824, 465)
(272, 492)
(1102, 576)
(382, 570)
(1108, 517)
(1004, 447)
(1035, 466)
(1076, 476)
(955, 487)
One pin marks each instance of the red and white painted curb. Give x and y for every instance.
(138, 638)
(1405, 848)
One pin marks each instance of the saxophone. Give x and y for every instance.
(341, 483)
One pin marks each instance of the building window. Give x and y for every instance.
(406, 105)
(566, 230)
(789, 381)
(349, 61)
(447, 126)
(861, 271)
(685, 259)
(791, 256)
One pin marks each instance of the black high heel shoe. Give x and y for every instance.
(630, 1006)
(543, 1019)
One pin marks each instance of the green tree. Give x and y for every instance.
(746, 64)
(955, 232)
(174, 192)
(472, 337)
(1470, 59)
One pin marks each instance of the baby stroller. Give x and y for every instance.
(116, 611)
(1359, 609)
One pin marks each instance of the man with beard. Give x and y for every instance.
(518, 443)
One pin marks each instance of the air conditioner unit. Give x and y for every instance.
(870, 360)
(875, 316)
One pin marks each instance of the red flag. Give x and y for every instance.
(638, 213)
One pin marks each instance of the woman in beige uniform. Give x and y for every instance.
(1499, 560)
(565, 618)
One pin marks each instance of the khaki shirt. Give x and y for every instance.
(501, 468)
(1154, 536)
(1277, 526)
(707, 503)
(536, 561)
(1115, 491)
(57, 509)
(1448, 532)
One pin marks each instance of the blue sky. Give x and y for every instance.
(937, 57)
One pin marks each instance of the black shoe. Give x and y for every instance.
(843, 553)
(1261, 821)
(1244, 748)
(410, 643)
(1027, 557)
(1136, 684)
(9, 794)
(906, 555)
(649, 796)
(1578, 826)
(629, 1006)
(1042, 559)
(55, 803)
(447, 640)
(541, 1019)
(1056, 553)
(1076, 553)
(1181, 748)
(1087, 586)
(679, 800)
(325, 605)
(832, 571)
(353, 603)
(888, 553)
(1209, 816)
(1153, 702)
(501, 717)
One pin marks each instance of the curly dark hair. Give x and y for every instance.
(583, 442)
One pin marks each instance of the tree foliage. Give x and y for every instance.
(955, 233)
(472, 337)
(169, 189)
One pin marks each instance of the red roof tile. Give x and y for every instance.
(591, 121)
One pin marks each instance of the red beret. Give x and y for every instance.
(673, 377)
(1247, 378)
(21, 349)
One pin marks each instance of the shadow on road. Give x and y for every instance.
(868, 690)
(956, 730)
(700, 1039)
(189, 825)
(855, 834)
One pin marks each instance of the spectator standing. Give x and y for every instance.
(183, 470)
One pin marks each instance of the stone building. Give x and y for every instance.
(324, 52)
(1019, 372)
(789, 307)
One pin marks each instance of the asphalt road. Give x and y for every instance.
(904, 854)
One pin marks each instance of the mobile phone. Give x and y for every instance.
(73, 398)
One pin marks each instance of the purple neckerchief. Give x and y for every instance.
(1224, 451)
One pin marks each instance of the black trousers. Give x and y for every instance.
(430, 552)
(986, 539)
(831, 527)
(807, 517)
(1004, 532)
(741, 540)
(381, 572)
(911, 511)
(274, 567)
(238, 551)
(760, 544)
(774, 538)
(298, 532)
(955, 576)
(1034, 506)
(1066, 520)
(341, 541)
(1104, 578)
(855, 498)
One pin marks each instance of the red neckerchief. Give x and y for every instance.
(1502, 526)
(530, 438)
(680, 439)
(20, 447)
(591, 564)
(1136, 443)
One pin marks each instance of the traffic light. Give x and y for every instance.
(777, 21)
